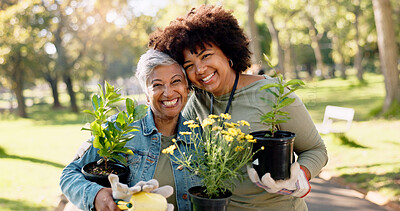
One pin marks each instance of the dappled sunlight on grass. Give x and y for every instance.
(345, 93)
(9, 205)
(374, 166)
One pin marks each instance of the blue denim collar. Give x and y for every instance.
(149, 127)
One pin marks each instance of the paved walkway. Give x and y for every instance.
(327, 196)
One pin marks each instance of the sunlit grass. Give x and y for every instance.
(367, 154)
(32, 156)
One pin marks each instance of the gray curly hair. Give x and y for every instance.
(148, 62)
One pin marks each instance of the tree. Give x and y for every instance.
(255, 46)
(19, 25)
(387, 52)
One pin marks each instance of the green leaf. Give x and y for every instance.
(96, 142)
(120, 119)
(285, 102)
(130, 106)
(89, 112)
(267, 86)
(96, 128)
(294, 82)
(96, 102)
(125, 151)
(272, 92)
(281, 121)
(119, 158)
(101, 92)
(268, 101)
(112, 101)
(140, 112)
(282, 113)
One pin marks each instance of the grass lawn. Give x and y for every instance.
(32, 156)
(368, 154)
(34, 151)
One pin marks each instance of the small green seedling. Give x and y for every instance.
(276, 115)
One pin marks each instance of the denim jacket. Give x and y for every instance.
(146, 146)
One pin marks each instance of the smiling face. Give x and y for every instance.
(209, 69)
(167, 91)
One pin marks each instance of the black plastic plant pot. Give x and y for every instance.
(277, 155)
(200, 203)
(115, 168)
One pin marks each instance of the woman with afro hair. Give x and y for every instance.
(213, 50)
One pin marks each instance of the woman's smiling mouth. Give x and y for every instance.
(170, 102)
(207, 79)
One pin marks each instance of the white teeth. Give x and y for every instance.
(208, 77)
(170, 103)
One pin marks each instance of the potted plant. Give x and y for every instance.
(216, 153)
(276, 155)
(110, 133)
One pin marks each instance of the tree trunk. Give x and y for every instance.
(387, 51)
(53, 82)
(68, 82)
(275, 38)
(317, 48)
(18, 87)
(253, 33)
(296, 70)
(288, 58)
(339, 62)
(358, 58)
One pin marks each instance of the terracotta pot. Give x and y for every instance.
(199, 203)
(277, 156)
(122, 172)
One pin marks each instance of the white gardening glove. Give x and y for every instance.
(123, 192)
(297, 185)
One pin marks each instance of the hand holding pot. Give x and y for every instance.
(297, 185)
(123, 192)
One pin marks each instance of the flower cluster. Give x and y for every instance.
(218, 152)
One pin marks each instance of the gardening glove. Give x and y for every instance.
(123, 192)
(297, 185)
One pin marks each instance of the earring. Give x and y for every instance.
(230, 63)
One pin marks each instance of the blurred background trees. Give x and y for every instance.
(69, 44)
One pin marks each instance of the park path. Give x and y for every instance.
(329, 196)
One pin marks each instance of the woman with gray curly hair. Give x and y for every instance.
(164, 82)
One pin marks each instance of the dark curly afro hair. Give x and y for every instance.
(204, 25)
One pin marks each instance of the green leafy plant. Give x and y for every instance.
(112, 132)
(219, 151)
(282, 99)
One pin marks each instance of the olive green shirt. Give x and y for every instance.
(247, 105)
(164, 174)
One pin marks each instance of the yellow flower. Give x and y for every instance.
(262, 148)
(228, 138)
(249, 137)
(193, 126)
(224, 132)
(239, 148)
(216, 128)
(232, 131)
(185, 133)
(207, 122)
(212, 116)
(226, 116)
(244, 123)
(230, 125)
(169, 150)
(251, 140)
(173, 140)
(189, 122)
